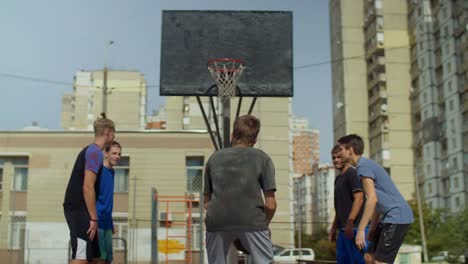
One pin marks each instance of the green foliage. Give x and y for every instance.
(444, 231)
(324, 249)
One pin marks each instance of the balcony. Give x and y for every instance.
(414, 71)
(417, 127)
(457, 9)
(377, 78)
(463, 88)
(459, 29)
(377, 64)
(381, 94)
(464, 109)
(438, 60)
(374, 47)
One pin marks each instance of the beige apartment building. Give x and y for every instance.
(371, 82)
(125, 98)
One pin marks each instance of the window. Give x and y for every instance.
(428, 169)
(20, 174)
(17, 228)
(455, 183)
(449, 86)
(194, 166)
(457, 202)
(451, 105)
(296, 252)
(122, 172)
(121, 231)
(286, 253)
(429, 188)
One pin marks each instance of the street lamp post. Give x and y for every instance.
(105, 90)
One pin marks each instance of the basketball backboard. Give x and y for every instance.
(262, 39)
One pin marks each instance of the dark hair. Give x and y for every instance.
(336, 149)
(245, 130)
(113, 144)
(101, 124)
(353, 141)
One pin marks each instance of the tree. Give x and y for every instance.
(444, 231)
(323, 249)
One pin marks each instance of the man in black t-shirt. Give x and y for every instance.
(349, 200)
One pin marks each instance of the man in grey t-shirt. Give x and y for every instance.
(239, 193)
(384, 202)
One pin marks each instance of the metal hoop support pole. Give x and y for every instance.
(239, 104)
(226, 122)
(215, 117)
(207, 123)
(252, 104)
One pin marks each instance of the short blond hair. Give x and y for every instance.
(101, 124)
(245, 130)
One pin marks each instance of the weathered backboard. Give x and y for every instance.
(262, 39)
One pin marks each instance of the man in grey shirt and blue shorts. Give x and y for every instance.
(384, 202)
(239, 193)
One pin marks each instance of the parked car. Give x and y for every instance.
(277, 248)
(293, 254)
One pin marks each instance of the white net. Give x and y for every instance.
(226, 72)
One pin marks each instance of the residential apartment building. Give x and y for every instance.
(304, 190)
(372, 81)
(306, 146)
(314, 208)
(439, 56)
(324, 177)
(124, 100)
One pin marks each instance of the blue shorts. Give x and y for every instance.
(347, 251)
(105, 244)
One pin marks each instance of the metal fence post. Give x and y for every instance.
(202, 222)
(154, 226)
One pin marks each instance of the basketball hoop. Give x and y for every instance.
(226, 72)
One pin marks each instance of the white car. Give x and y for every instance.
(293, 254)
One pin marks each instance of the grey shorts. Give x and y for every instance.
(257, 243)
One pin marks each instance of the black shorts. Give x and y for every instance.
(387, 241)
(82, 247)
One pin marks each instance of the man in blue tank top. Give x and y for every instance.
(105, 202)
(391, 214)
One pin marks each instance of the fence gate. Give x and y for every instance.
(177, 228)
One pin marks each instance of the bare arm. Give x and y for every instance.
(89, 193)
(270, 204)
(90, 200)
(369, 209)
(371, 202)
(357, 204)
